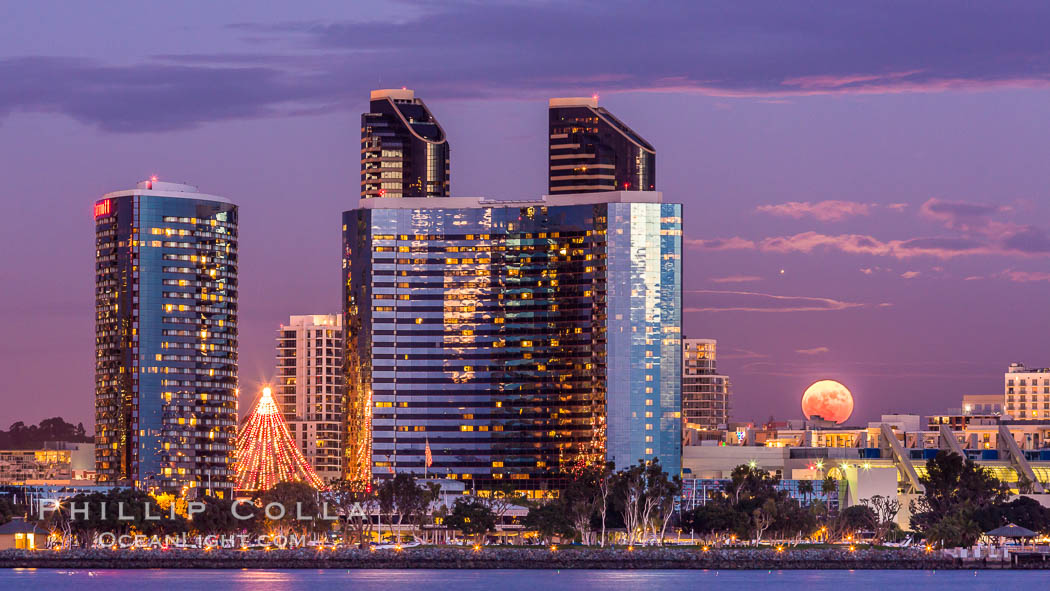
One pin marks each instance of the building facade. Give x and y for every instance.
(165, 338)
(517, 340)
(309, 388)
(404, 152)
(591, 150)
(35, 466)
(1027, 392)
(705, 393)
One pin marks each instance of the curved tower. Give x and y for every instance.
(404, 152)
(165, 338)
(591, 150)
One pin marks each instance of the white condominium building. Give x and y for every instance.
(309, 388)
(1027, 392)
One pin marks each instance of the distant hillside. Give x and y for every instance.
(20, 436)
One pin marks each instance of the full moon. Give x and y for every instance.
(828, 399)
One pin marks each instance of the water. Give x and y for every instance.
(514, 580)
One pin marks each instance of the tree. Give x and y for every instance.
(605, 486)
(762, 518)
(852, 520)
(1023, 511)
(473, 518)
(805, 488)
(957, 490)
(630, 490)
(218, 518)
(7, 510)
(297, 499)
(884, 511)
(549, 520)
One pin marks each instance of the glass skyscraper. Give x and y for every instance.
(591, 150)
(518, 340)
(166, 338)
(404, 152)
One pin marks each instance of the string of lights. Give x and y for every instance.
(266, 453)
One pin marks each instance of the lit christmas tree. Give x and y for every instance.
(266, 453)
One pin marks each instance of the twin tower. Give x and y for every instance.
(405, 153)
(510, 343)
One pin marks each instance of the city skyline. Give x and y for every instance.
(874, 208)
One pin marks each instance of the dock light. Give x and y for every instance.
(929, 548)
(477, 547)
(867, 465)
(371, 548)
(705, 548)
(554, 548)
(852, 548)
(397, 548)
(780, 549)
(630, 548)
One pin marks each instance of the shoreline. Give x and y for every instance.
(502, 558)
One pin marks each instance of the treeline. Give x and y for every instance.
(22, 436)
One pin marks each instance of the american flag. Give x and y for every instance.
(429, 456)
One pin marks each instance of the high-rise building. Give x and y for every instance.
(516, 340)
(591, 150)
(404, 152)
(165, 338)
(1027, 392)
(705, 393)
(309, 388)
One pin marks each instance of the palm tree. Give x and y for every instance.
(805, 488)
(829, 487)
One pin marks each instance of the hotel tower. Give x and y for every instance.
(165, 339)
(518, 340)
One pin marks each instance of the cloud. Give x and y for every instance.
(736, 279)
(454, 50)
(824, 211)
(813, 351)
(1022, 241)
(867, 270)
(720, 244)
(1025, 276)
(910, 274)
(957, 215)
(708, 300)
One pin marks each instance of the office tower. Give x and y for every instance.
(591, 150)
(309, 388)
(705, 393)
(404, 152)
(518, 340)
(166, 339)
(1027, 392)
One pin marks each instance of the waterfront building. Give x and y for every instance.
(591, 150)
(165, 338)
(308, 388)
(1027, 392)
(705, 393)
(35, 466)
(404, 152)
(495, 341)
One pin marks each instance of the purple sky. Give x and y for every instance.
(865, 184)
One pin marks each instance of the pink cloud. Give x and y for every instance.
(1025, 276)
(736, 279)
(1027, 241)
(910, 274)
(813, 351)
(750, 301)
(825, 211)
